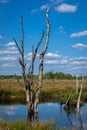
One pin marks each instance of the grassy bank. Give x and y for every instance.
(58, 89)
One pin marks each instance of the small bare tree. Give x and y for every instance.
(80, 94)
(32, 96)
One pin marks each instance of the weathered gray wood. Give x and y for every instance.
(37, 95)
(80, 93)
(77, 85)
(67, 102)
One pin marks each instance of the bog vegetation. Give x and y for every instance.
(55, 85)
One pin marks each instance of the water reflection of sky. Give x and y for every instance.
(13, 112)
(47, 111)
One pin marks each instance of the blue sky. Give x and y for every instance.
(67, 51)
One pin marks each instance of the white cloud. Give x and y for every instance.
(51, 62)
(29, 56)
(8, 58)
(79, 63)
(66, 8)
(79, 34)
(12, 48)
(52, 55)
(4, 1)
(56, 1)
(79, 68)
(79, 46)
(1, 37)
(8, 52)
(8, 65)
(48, 55)
(10, 44)
(10, 110)
(34, 10)
(81, 58)
(64, 61)
(44, 7)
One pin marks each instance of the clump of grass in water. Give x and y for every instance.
(54, 126)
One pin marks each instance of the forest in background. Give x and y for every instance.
(48, 75)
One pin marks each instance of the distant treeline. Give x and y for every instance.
(58, 75)
(48, 75)
(10, 76)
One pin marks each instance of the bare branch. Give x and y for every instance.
(67, 102)
(22, 41)
(17, 46)
(34, 53)
(43, 33)
(48, 31)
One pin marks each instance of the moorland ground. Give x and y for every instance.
(51, 88)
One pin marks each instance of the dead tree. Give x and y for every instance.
(80, 120)
(77, 86)
(80, 93)
(32, 96)
(68, 100)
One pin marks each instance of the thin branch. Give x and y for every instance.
(67, 102)
(34, 53)
(17, 46)
(22, 28)
(43, 33)
(48, 31)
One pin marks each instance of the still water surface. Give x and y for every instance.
(48, 111)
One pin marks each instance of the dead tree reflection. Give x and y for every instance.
(32, 117)
(80, 120)
(76, 112)
(70, 111)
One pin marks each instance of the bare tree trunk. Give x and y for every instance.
(67, 102)
(80, 93)
(68, 112)
(34, 53)
(77, 86)
(37, 95)
(80, 120)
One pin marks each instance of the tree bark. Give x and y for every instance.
(80, 93)
(77, 86)
(37, 95)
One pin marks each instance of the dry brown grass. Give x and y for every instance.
(11, 84)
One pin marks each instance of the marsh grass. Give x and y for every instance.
(8, 92)
(22, 125)
(9, 87)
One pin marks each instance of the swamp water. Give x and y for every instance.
(48, 112)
